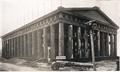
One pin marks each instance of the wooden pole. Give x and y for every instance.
(92, 48)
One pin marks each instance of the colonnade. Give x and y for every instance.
(60, 40)
(36, 44)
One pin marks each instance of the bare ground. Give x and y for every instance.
(23, 65)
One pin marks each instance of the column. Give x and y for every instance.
(79, 42)
(11, 47)
(98, 35)
(22, 43)
(61, 39)
(52, 41)
(3, 48)
(20, 46)
(70, 41)
(86, 43)
(9, 55)
(34, 44)
(107, 44)
(115, 45)
(111, 42)
(14, 47)
(29, 44)
(103, 43)
(45, 42)
(8, 49)
(40, 41)
(25, 45)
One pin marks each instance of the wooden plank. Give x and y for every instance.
(76, 63)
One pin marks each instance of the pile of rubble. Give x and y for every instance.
(106, 65)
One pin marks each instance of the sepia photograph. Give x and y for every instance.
(59, 35)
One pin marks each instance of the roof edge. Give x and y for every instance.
(34, 21)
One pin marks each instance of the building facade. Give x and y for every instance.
(63, 32)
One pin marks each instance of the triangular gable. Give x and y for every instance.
(93, 13)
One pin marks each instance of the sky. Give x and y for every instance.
(16, 13)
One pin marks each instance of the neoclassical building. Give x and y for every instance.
(63, 32)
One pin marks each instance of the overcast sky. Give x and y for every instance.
(16, 13)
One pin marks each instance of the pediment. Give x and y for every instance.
(93, 13)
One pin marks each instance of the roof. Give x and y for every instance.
(91, 12)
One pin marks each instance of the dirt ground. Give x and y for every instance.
(16, 64)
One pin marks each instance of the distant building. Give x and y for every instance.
(63, 32)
